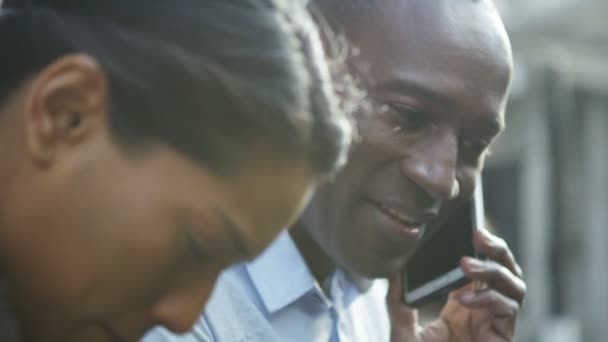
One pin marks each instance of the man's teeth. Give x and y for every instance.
(401, 217)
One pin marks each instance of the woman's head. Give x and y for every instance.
(147, 145)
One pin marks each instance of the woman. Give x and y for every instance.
(147, 145)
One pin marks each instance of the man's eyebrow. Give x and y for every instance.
(491, 121)
(236, 233)
(412, 87)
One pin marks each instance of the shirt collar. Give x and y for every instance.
(280, 274)
(361, 284)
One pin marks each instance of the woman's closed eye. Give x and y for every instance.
(207, 243)
(198, 243)
(199, 252)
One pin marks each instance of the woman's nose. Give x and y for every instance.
(179, 310)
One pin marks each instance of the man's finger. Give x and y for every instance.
(395, 289)
(495, 302)
(404, 320)
(502, 309)
(496, 249)
(496, 276)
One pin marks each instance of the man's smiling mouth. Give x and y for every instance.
(407, 225)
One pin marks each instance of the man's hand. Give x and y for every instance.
(471, 314)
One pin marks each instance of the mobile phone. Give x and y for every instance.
(434, 268)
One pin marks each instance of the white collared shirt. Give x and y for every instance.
(276, 298)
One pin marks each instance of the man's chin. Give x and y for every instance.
(382, 269)
(386, 272)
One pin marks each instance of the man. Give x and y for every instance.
(438, 73)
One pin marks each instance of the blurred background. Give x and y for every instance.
(546, 184)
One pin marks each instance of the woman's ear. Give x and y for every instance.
(67, 103)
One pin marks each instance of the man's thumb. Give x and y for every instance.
(404, 320)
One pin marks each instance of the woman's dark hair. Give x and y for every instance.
(212, 78)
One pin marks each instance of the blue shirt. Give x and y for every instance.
(276, 298)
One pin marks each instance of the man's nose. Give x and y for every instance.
(432, 166)
(179, 309)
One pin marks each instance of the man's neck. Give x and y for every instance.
(320, 264)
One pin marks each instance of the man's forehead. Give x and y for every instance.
(411, 19)
(432, 34)
(461, 22)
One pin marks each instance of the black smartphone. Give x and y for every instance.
(434, 268)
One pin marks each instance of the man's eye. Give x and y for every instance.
(409, 119)
(476, 147)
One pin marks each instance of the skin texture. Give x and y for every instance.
(438, 73)
(101, 243)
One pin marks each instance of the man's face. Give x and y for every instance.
(438, 73)
(101, 245)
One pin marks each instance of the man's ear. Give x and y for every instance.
(67, 103)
